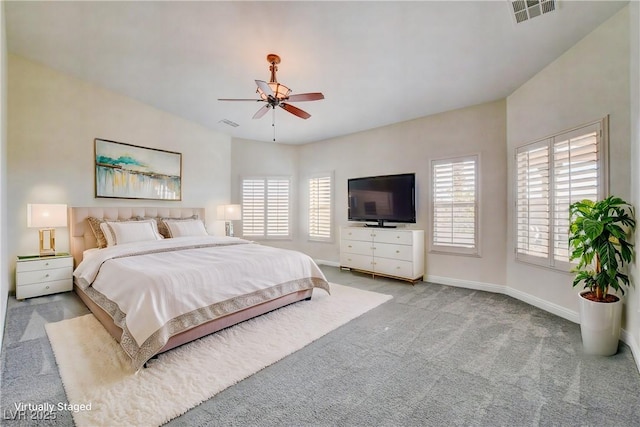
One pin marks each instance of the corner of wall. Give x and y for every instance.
(4, 273)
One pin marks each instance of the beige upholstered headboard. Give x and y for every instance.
(82, 237)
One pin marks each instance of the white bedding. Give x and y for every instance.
(156, 289)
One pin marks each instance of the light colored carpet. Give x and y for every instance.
(95, 371)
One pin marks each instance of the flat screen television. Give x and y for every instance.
(380, 199)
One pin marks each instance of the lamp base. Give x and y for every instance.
(51, 250)
(228, 228)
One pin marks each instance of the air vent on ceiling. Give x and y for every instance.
(524, 10)
(229, 122)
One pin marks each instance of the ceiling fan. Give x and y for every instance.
(278, 95)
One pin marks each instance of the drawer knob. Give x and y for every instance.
(397, 252)
(46, 263)
(46, 287)
(46, 275)
(397, 237)
(350, 246)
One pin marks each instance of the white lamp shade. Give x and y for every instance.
(46, 216)
(230, 212)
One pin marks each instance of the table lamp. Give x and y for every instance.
(47, 218)
(229, 213)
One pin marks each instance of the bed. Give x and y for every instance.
(152, 296)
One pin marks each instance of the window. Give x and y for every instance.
(265, 207)
(551, 174)
(320, 208)
(455, 205)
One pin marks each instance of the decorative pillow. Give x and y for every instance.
(107, 233)
(131, 231)
(162, 227)
(94, 224)
(183, 228)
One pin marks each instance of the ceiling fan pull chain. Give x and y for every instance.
(273, 124)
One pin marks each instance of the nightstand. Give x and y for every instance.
(36, 275)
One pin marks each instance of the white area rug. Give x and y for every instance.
(95, 371)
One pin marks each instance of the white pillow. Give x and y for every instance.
(118, 233)
(183, 228)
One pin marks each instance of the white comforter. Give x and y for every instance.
(152, 289)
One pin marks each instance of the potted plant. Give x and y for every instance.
(598, 240)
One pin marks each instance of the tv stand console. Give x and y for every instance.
(397, 253)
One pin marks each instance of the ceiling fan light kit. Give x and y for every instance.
(275, 94)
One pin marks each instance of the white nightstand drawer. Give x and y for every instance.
(43, 264)
(39, 276)
(29, 291)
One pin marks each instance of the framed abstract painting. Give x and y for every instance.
(126, 171)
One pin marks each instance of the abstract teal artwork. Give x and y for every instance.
(128, 171)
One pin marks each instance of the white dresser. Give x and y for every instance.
(396, 252)
(36, 276)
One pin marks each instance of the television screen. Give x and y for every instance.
(383, 198)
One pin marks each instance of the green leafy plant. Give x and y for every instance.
(598, 239)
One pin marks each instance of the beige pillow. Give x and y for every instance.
(94, 224)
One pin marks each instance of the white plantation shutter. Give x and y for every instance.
(253, 204)
(552, 174)
(532, 203)
(455, 204)
(575, 171)
(320, 208)
(277, 208)
(265, 207)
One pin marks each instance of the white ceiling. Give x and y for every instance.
(377, 63)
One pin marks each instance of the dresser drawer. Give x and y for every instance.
(391, 267)
(39, 276)
(397, 237)
(357, 247)
(43, 264)
(388, 250)
(356, 233)
(359, 262)
(29, 291)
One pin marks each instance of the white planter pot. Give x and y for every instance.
(600, 324)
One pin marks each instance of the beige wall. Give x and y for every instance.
(53, 120)
(586, 83)
(4, 256)
(633, 299)
(401, 148)
(251, 158)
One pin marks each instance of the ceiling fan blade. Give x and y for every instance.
(314, 96)
(265, 87)
(295, 111)
(239, 99)
(261, 112)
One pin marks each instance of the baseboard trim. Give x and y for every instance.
(550, 307)
(628, 339)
